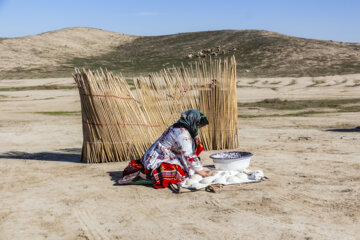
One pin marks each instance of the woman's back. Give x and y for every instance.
(172, 144)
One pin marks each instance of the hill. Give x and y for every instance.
(48, 54)
(258, 53)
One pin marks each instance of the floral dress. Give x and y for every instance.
(172, 158)
(175, 146)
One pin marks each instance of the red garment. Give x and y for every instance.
(166, 174)
(199, 148)
(162, 176)
(132, 167)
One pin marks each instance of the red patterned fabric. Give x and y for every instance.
(166, 174)
(134, 166)
(162, 176)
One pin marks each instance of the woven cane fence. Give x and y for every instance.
(121, 120)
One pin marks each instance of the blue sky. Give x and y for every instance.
(319, 19)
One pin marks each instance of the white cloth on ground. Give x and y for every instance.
(223, 177)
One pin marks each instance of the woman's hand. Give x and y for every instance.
(205, 172)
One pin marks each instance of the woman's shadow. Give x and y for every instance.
(136, 178)
(115, 176)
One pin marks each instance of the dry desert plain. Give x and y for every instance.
(309, 150)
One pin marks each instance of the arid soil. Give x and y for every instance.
(53, 48)
(312, 161)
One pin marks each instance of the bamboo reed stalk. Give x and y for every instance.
(117, 126)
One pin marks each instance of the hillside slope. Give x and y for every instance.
(47, 52)
(258, 53)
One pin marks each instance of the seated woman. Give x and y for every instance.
(174, 156)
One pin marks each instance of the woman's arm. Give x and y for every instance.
(192, 161)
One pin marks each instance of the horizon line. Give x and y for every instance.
(212, 30)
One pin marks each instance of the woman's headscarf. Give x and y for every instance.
(192, 120)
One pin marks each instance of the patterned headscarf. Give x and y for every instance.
(192, 120)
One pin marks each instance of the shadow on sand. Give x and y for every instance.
(62, 155)
(357, 129)
(115, 176)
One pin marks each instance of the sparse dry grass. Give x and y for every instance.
(265, 53)
(60, 113)
(299, 108)
(42, 87)
(279, 104)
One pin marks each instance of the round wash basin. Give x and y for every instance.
(231, 160)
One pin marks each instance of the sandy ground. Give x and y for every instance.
(313, 191)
